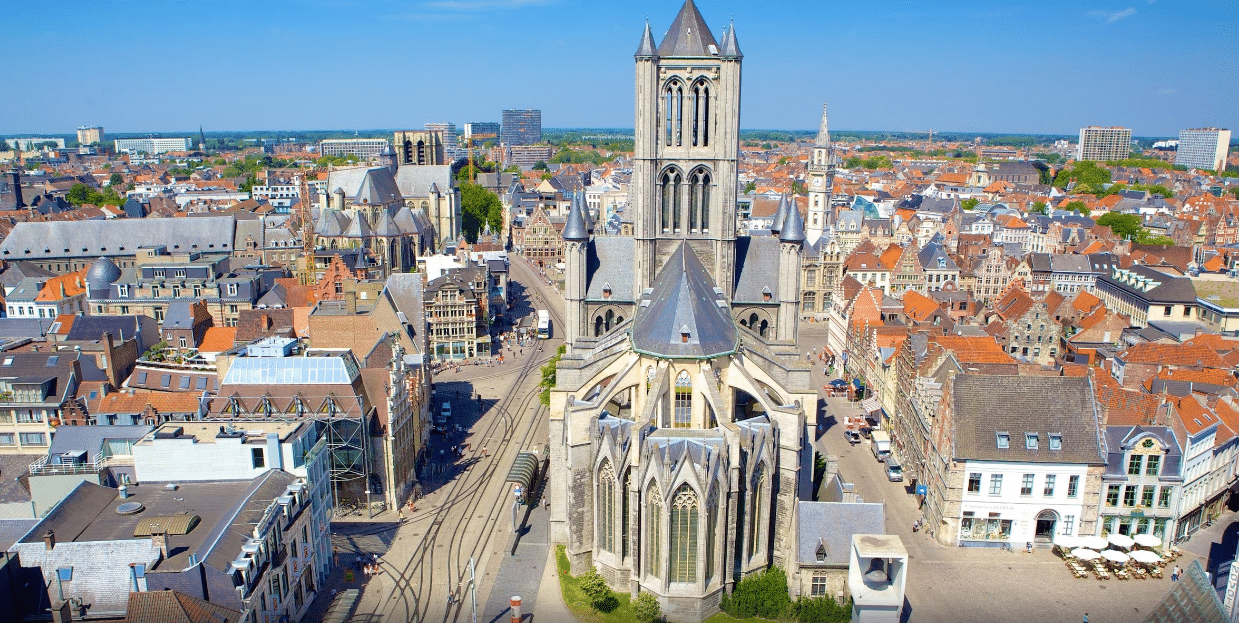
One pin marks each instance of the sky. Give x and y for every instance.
(1032, 66)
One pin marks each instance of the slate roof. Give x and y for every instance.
(831, 525)
(757, 269)
(1192, 598)
(1119, 439)
(647, 48)
(1026, 409)
(415, 182)
(118, 237)
(683, 300)
(20, 270)
(89, 327)
(1168, 289)
(608, 260)
(688, 35)
(930, 255)
(378, 187)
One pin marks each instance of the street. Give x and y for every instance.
(466, 510)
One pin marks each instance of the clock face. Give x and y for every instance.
(817, 182)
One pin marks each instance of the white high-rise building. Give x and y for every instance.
(1102, 144)
(1203, 148)
(151, 145)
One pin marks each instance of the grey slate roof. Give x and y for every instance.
(1121, 438)
(180, 315)
(121, 327)
(20, 270)
(1169, 289)
(780, 214)
(415, 182)
(118, 237)
(757, 269)
(831, 525)
(378, 187)
(100, 276)
(608, 260)
(930, 255)
(647, 48)
(730, 47)
(683, 299)
(575, 229)
(688, 35)
(1030, 404)
(793, 227)
(823, 131)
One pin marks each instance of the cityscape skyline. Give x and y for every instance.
(1043, 69)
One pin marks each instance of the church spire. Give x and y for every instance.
(688, 35)
(730, 48)
(647, 48)
(823, 132)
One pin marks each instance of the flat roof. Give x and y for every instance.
(208, 432)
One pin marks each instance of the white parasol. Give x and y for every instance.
(1092, 542)
(1147, 540)
(1066, 541)
(1121, 540)
(1115, 556)
(1084, 553)
(1145, 556)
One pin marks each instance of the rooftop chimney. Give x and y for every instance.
(49, 539)
(160, 540)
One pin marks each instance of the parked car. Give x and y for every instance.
(852, 436)
(894, 471)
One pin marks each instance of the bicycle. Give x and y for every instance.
(1007, 546)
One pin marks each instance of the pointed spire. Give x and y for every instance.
(793, 230)
(780, 215)
(575, 229)
(730, 48)
(823, 132)
(688, 36)
(647, 48)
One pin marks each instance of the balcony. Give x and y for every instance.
(44, 466)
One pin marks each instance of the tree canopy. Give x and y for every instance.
(478, 208)
(81, 194)
(1083, 173)
(969, 204)
(1125, 225)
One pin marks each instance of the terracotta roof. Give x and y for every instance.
(890, 257)
(1210, 376)
(218, 339)
(1124, 407)
(64, 286)
(1085, 301)
(867, 308)
(1014, 303)
(169, 606)
(973, 349)
(65, 322)
(917, 306)
(162, 402)
(1218, 343)
(1194, 415)
(1173, 354)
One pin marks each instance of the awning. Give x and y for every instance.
(871, 404)
(524, 469)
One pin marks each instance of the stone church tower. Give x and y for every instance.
(678, 419)
(821, 184)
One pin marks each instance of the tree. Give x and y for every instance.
(1235, 192)
(645, 607)
(1124, 225)
(752, 186)
(478, 207)
(1039, 207)
(548, 375)
(540, 166)
(1083, 173)
(798, 188)
(1078, 207)
(969, 204)
(595, 588)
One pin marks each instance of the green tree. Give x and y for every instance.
(79, 194)
(540, 166)
(548, 376)
(798, 188)
(1235, 192)
(595, 588)
(1039, 207)
(752, 186)
(763, 595)
(1078, 207)
(646, 609)
(478, 207)
(1124, 225)
(969, 204)
(1083, 173)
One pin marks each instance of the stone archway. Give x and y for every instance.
(1045, 526)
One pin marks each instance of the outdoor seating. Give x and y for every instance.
(1156, 572)
(1139, 573)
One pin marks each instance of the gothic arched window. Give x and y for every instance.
(711, 520)
(699, 201)
(757, 513)
(606, 507)
(684, 524)
(653, 534)
(700, 103)
(683, 401)
(669, 188)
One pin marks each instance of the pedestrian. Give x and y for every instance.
(1175, 573)
(1085, 617)
(483, 450)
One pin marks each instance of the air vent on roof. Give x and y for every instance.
(129, 508)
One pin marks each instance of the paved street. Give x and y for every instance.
(984, 585)
(466, 511)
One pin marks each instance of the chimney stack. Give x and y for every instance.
(49, 539)
(160, 540)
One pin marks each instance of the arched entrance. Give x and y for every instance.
(1047, 521)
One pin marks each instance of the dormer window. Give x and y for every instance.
(821, 551)
(684, 333)
(1032, 441)
(1004, 440)
(606, 290)
(765, 293)
(1056, 441)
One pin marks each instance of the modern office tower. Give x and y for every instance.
(451, 148)
(1203, 148)
(360, 147)
(151, 145)
(89, 134)
(521, 127)
(1101, 144)
(482, 131)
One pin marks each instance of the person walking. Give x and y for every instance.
(1085, 617)
(1175, 573)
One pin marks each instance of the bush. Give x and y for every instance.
(763, 595)
(645, 607)
(595, 587)
(821, 610)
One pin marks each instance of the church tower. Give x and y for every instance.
(687, 144)
(821, 183)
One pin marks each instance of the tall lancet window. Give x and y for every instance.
(683, 401)
(679, 115)
(606, 507)
(653, 533)
(711, 522)
(758, 512)
(684, 523)
(676, 207)
(699, 201)
(669, 188)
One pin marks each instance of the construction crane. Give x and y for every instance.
(307, 233)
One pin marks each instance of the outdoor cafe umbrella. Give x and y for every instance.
(1145, 556)
(1147, 540)
(1084, 553)
(1093, 542)
(1115, 556)
(1066, 541)
(1121, 540)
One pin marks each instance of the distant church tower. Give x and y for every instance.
(821, 183)
(687, 143)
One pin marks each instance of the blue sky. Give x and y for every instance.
(1044, 66)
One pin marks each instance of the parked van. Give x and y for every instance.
(881, 445)
(894, 471)
(445, 414)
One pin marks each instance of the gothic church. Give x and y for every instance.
(677, 427)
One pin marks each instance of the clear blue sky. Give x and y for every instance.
(1046, 66)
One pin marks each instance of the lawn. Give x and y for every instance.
(580, 606)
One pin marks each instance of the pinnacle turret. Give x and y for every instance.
(823, 132)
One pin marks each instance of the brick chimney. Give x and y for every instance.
(160, 540)
(49, 539)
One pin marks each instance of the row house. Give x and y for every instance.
(1145, 294)
(906, 270)
(541, 239)
(457, 315)
(1068, 274)
(867, 266)
(1134, 366)
(821, 270)
(1024, 473)
(940, 270)
(1209, 451)
(1142, 481)
(992, 272)
(1025, 327)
